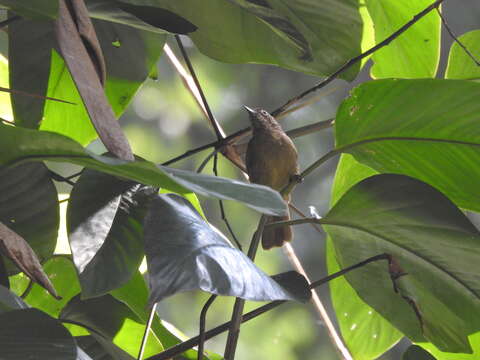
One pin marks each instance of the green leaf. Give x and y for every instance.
(113, 320)
(474, 340)
(33, 334)
(310, 36)
(29, 206)
(43, 145)
(356, 319)
(460, 64)
(101, 349)
(184, 253)
(415, 352)
(134, 294)
(105, 230)
(434, 246)
(30, 45)
(413, 54)
(427, 129)
(43, 9)
(62, 274)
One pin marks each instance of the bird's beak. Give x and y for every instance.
(250, 110)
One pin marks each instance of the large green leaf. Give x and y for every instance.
(38, 10)
(460, 64)
(32, 334)
(440, 355)
(416, 52)
(29, 206)
(357, 320)
(315, 37)
(105, 230)
(32, 145)
(427, 129)
(434, 246)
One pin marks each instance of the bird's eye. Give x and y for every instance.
(263, 112)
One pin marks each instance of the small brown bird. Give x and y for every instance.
(272, 160)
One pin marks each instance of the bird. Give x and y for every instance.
(271, 160)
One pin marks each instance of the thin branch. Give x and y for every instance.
(146, 332)
(311, 128)
(186, 345)
(203, 321)
(24, 93)
(308, 102)
(358, 58)
(206, 160)
(454, 37)
(218, 131)
(57, 177)
(27, 289)
(234, 330)
(9, 122)
(64, 200)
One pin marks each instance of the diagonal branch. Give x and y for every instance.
(358, 58)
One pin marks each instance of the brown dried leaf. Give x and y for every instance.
(79, 47)
(14, 247)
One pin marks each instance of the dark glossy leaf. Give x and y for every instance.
(86, 65)
(30, 45)
(294, 283)
(415, 352)
(414, 54)
(105, 225)
(112, 320)
(460, 64)
(15, 248)
(185, 253)
(474, 340)
(61, 271)
(311, 36)
(434, 138)
(101, 349)
(159, 18)
(9, 301)
(33, 334)
(42, 145)
(430, 240)
(40, 9)
(29, 206)
(352, 312)
(82, 355)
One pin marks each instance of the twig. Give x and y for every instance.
(64, 200)
(186, 345)
(27, 289)
(234, 330)
(216, 127)
(317, 303)
(146, 332)
(454, 37)
(57, 177)
(203, 321)
(206, 160)
(24, 93)
(358, 58)
(308, 102)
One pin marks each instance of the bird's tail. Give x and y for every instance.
(276, 236)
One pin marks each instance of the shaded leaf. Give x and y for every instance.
(431, 240)
(30, 45)
(159, 18)
(112, 320)
(101, 349)
(29, 206)
(474, 341)
(105, 225)
(333, 30)
(4, 274)
(184, 253)
(88, 73)
(31, 331)
(39, 10)
(460, 64)
(435, 137)
(414, 54)
(415, 352)
(42, 145)
(14, 247)
(9, 301)
(357, 320)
